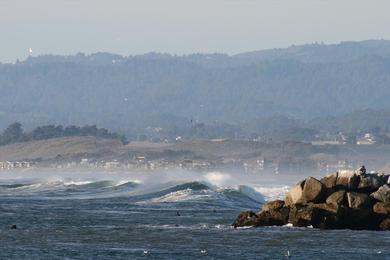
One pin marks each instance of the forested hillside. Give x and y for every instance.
(128, 94)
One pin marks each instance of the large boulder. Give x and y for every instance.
(359, 218)
(245, 218)
(273, 217)
(370, 182)
(329, 181)
(358, 200)
(270, 217)
(313, 191)
(304, 215)
(342, 180)
(295, 195)
(337, 198)
(347, 199)
(348, 180)
(384, 177)
(382, 208)
(330, 215)
(382, 194)
(326, 207)
(273, 205)
(385, 224)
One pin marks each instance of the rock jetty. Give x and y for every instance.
(340, 200)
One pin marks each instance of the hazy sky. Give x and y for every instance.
(183, 26)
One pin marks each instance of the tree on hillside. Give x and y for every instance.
(13, 133)
(71, 130)
(46, 132)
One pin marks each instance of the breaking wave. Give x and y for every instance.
(205, 194)
(211, 189)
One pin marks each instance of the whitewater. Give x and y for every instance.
(83, 214)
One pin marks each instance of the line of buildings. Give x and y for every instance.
(8, 165)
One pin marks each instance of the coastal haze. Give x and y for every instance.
(183, 27)
(134, 129)
(309, 108)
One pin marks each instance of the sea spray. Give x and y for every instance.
(217, 178)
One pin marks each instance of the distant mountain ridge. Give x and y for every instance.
(128, 94)
(309, 53)
(323, 53)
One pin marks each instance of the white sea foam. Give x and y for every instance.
(272, 192)
(178, 196)
(123, 182)
(29, 186)
(76, 183)
(246, 227)
(217, 178)
(192, 227)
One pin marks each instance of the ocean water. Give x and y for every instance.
(159, 215)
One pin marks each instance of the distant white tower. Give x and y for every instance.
(30, 51)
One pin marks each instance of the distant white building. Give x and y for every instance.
(84, 161)
(112, 164)
(366, 139)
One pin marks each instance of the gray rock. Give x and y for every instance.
(358, 200)
(370, 182)
(382, 194)
(359, 218)
(329, 180)
(273, 205)
(295, 195)
(385, 224)
(334, 208)
(273, 217)
(245, 218)
(384, 177)
(313, 191)
(382, 208)
(348, 180)
(304, 215)
(337, 198)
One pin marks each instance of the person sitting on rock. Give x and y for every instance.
(362, 170)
